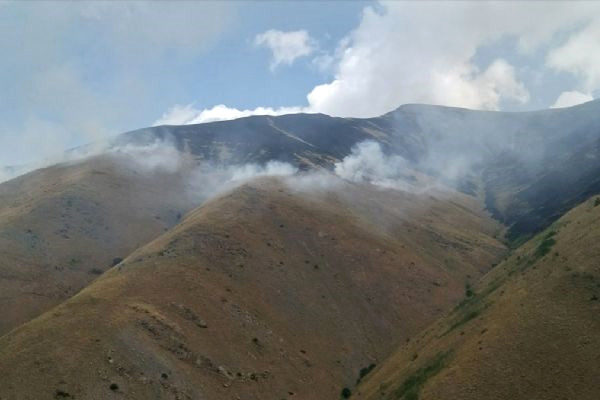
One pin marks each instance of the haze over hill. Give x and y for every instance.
(312, 200)
(518, 162)
(274, 256)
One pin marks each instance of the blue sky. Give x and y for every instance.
(237, 71)
(77, 72)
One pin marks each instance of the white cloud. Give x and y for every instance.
(580, 56)
(188, 114)
(572, 98)
(422, 52)
(285, 47)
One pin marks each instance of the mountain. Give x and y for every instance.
(530, 330)
(264, 292)
(531, 167)
(174, 265)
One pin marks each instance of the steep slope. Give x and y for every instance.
(532, 330)
(305, 140)
(266, 292)
(62, 226)
(518, 160)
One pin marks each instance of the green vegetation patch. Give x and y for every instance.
(411, 387)
(469, 292)
(472, 305)
(465, 318)
(515, 240)
(545, 245)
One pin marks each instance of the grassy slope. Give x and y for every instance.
(62, 226)
(532, 331)
(262, 293)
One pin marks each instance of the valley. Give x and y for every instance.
(309, 257)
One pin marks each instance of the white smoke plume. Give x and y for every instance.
(368, 163)
(159, 155)
(67, 157)
(208, 180)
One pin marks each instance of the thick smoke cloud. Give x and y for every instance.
(368, 163)
(208, 180)
(159, 155)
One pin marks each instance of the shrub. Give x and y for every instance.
(546, 245)
(346, 393)
(597, 202)
(469, 292)
(364, 372)
(410, 388)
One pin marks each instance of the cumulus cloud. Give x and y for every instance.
(426, 52)
(285, 47)
(391, 59)
(580, 55)
(423, 52)
(571, 98)
(189, 114)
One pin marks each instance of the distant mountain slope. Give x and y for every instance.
(531, 330)
(519, 160)
(264, 293)
(62, 226)
(302, 139)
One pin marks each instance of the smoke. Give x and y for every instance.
(208, 180)
(250, 171)
(6, 174)
(159, 155)
(315, 181)
(66, 157)
(368, 163)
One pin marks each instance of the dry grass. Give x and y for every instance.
(62, 226)
(262, 293)
(532, 330)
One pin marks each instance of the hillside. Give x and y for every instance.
(63, 226)
(268, 291)
(529, 331)
(288, 287)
